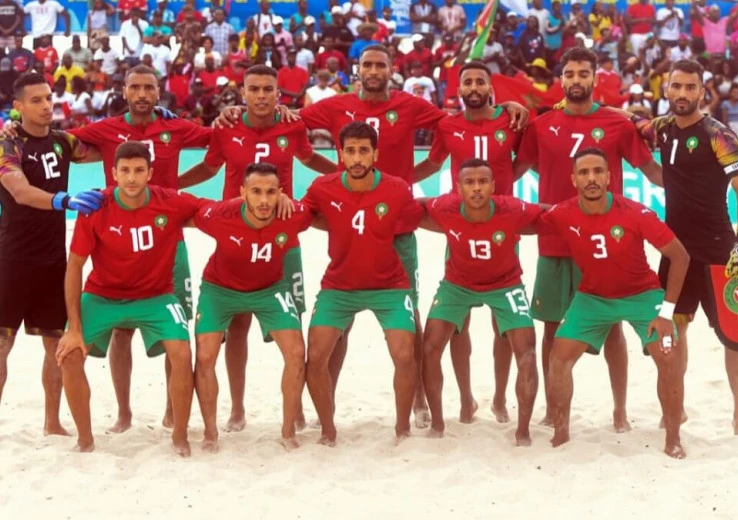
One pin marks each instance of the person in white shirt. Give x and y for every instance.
(416, 78)
(669, 20)
(305, 57)
(264, 19)
(355, 14)
(387, 21)
(44, 15)
(160, 55)
(207, 50)
(452, 18)
(207, 12)
(107, 56)
(541, 15)
(681, 51)
(493, 54)
(282, 38)
(321, 90)
(131, 34)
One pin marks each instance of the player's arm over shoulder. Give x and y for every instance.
(81, 152)
(724, 145)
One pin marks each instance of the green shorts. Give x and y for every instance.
(293, 277)
(590, 318)
(273, 307)
(160, 319)
(392, 307)
(182, 280)
(406, 246)
(557, 279)
(510, 307)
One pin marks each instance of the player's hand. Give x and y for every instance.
(165, 113)
(285, 207)
(229, 117)
(69, 342)
(518, 115)
(731, 268)
(665, 331)
(286, 115)
(84, 202)
(10, 130)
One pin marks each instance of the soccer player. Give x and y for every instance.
(133, 241)
(605, 234)
(549, 145)
(246, 275)
(259, 137)
(361, 207)
(700, 160)
(481, 131)
(34, 178)
(482, 268)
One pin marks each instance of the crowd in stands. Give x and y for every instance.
(200, 57)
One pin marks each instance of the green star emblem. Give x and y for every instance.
(392, 117)
(165, 137)
(160, 221)
(500, 136)
(381, 210)
(58, 150)
(692, 143)
(598, 134)
(617, 233)
(281, 239)
(282, 142)
(498, 237)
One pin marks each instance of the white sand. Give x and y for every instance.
(474, 472)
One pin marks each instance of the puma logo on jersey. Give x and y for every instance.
(352, 115)
(455, 234)
(236, 240)
(33, 156)
(124, 137)
(337, 205)
(117, 230)
(576, 230)
(239, 141)
(460, 135)
(207, 212)
(555, 130)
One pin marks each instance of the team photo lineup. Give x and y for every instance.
(592, 272)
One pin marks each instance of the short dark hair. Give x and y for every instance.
(27, 79)
(261, 168)
(688, 66)
(358, 130)
(475, 163)
(590, 150)
(133, 150)
(141, 69)
(377, 48)
(579, 54)
(206, 37)
(260, 70)
(474, 65)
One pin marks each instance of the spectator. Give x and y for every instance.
(444, 55)
(198, 104)
(219, 30)
(157, 26)
(540, 14)
(7, 78)
(382, 33)
(107, 57)
(81, 106)
(512, 27)
(38, 68)
(305, 57)
(227, 95)
(292, 82)
(669, 21)
(662, 105)
(531, 42)
(321, 90)
(578, 18)
(339, 80)
(388, 22)
(44, 14)
(47, 54)
(452, 18)
(424, 17)
(709, 104)
(598, 20)
(23, 59)
(553, 30)
(421, 54)
(329, 51)
(326, 17)
(297, 20)
(268, 53)
(725, 78)
(68, 70)
(730, 108)
(167, 15)
(131, 35)
(249, 44)
(166, 98)
(541, 76)
(608, 45)
(493, 55)
(207, 50)
(366, 31)
(160, 55)
(418, 78)
(209, 75)
(282, 38)
(513, 56)
(714, 28)
(682, 50)
(11, 19)
(339, 33)
(697, 11)
(116, 104)
(61, 100)
(97, 79)
(640, 19)
(190, 7)
(354, 14)
(208, 12)
(82, 57)
(97, 23)
(637, 102)
(264, 19)
(235, 53)
(179, 82)
(607, 77)
(189, 31)
(311, 37)
(126, 8)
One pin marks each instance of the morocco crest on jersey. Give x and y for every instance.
(725, 298)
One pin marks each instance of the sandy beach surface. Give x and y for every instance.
(474, 472)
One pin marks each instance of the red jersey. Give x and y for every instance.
(361, 230)
(482, 255)
(491, 140)
(551, 140)
(321, 59)
(608, 248)
(292, 79)
(424, 57)
(208, 78)
(642, 11)
(165, 139)
(133, 249)
(244, 144)
(443, 56)
(48, 56)
(245, 258)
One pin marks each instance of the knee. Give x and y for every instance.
(205, 358)
(179, 354)
(403, 355)
(526, 357)
(73, 363)
(294, 353)
(432, 349)
(318, 354)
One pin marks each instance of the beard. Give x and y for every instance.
(584, 94)
(358, 171)
(690, 108)
(479, 102)
(376, 85)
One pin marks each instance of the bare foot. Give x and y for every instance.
(559, 438)
(435, 432)
(181, 447)
(168, 420)
(466, 414)
(121, 425)
(84, 446)
(290, 443)
(547, 421)
(422, 417)
(236, 423)
(675, 450)
(402, 437)
(522, 438)
(56, 429)
(500, 413)
(683, 420)
(327, 441)
(209, 445)
(620, 422)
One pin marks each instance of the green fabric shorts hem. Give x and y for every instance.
(160, 318)
(557, 279)
(406, 246)
(392, 307)
(182, 279)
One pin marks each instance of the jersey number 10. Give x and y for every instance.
(143, 238)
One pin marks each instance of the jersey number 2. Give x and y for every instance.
(262, 152)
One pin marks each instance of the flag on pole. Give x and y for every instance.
(486, 21)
